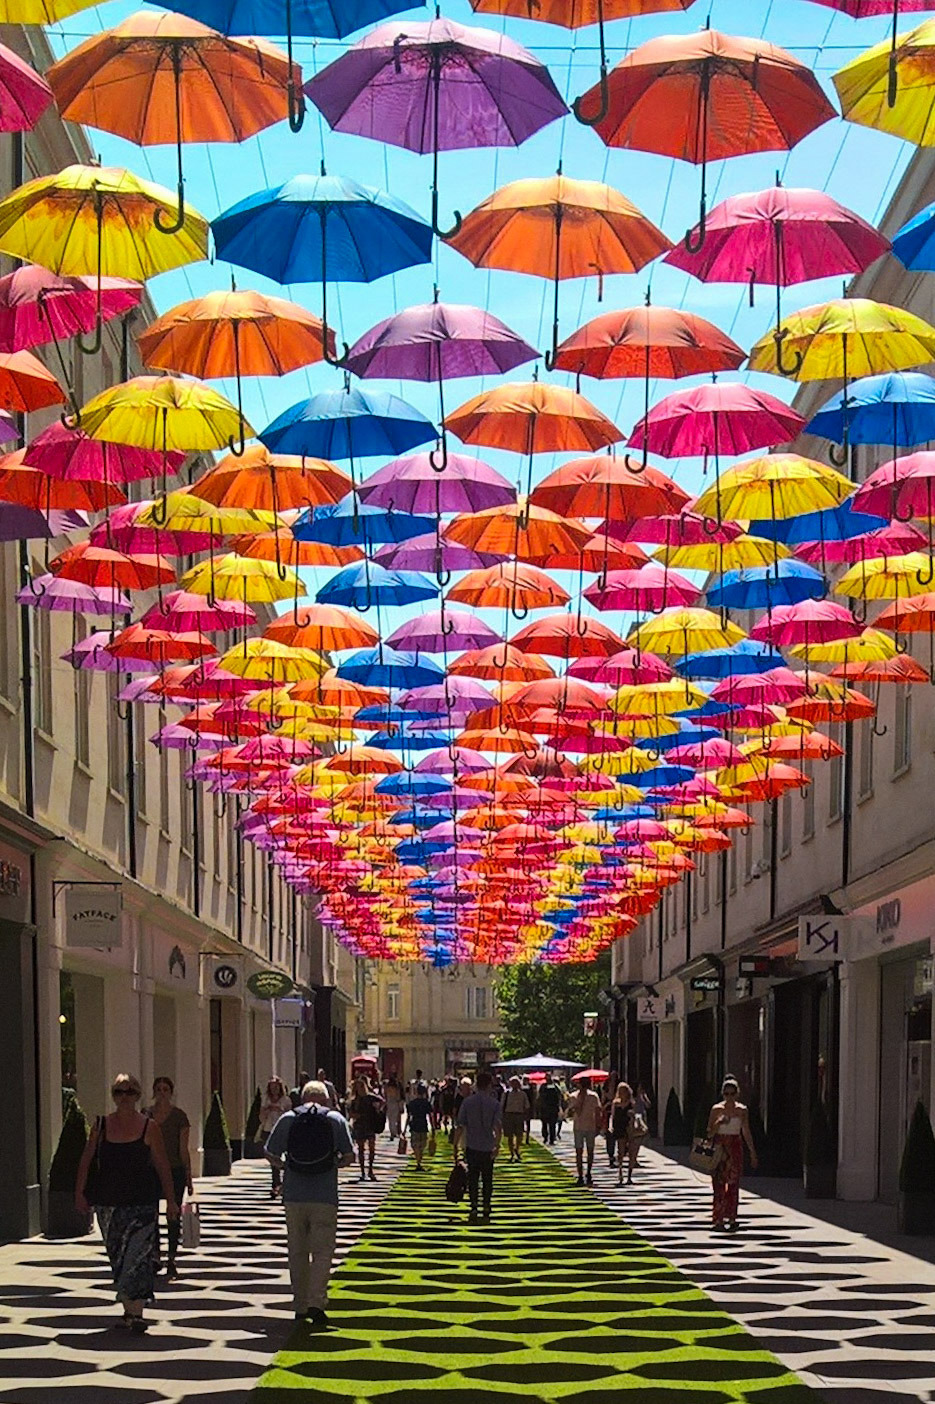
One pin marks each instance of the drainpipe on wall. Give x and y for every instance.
(773, 857)
(132, 860)
(724, 899)
(688, 917)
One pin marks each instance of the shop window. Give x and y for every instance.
(902, 730)
(392, 1003)
(865, 764)
(475, 1001)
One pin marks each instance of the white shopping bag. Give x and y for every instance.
(191, 1225)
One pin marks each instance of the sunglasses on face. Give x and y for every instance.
(125, 1092)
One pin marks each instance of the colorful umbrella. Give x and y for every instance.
(711, 420)
(704, 97)
(437, 86)
(559, 228)
(778, 486)
(416, 485)
(156, 79)
(316, 228)
(37, 307)
(887, 86)
(896, 408)
(843, 338)
(348, 424)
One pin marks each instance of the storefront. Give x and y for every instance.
(20, 1163)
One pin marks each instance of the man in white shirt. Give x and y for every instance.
(584, 1109)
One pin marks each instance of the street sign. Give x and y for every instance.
(823, 938)
(648, 1009)
(590, 1024)
(270, 984)
(756, 967)
(709, 983)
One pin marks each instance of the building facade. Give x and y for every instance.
(714, 979)
(442, 1021)
(93, 816)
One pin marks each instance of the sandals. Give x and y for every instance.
(137, 1324)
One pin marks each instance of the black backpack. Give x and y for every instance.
(310, 1149)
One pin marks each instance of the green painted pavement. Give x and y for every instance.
(556, 1299)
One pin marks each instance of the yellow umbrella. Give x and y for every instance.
(265, 660)
(100, 221)
(656, 699)
(717, 556)
(681, 631)
(182, 511)
(887, 577)
(872, 646)
(889, 87)
(39, 11)
(774, 487)
(239, 578)
(850, 336)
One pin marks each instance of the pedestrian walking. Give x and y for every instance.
(418, 1115)
(175, 1127)
(276, 1102)
(562, 1101)
(530, 1092)
(367, 1114)
(514, 1105)
(621, 1128)
(413, 1083)
(729, 1127)
(295, 1093)
(584, 1110)
(549, 1103)
(395, 1105)
(464, 1089)
(329, 1088)
(449, 1092)
(123, 1173)
(309, 1144)
(607, 1101)
(480, 1126)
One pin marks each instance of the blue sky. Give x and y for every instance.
(858, 167)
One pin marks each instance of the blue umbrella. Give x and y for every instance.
(833, 524)
(687, 736)
(406, 782)
(765, 587)
(316, 228)
(365, 583)
(408, 741)
(389, 667)
(320, 19)
(662, 775)
(914, 244)
(352, 523)
(748, 656)
(711, 708)
(897, 408)
(380, 714)
(349, 424)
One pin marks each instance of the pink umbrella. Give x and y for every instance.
(707, 755)
(184, 613)
(24, 96)
(621, 669)
(441, 631)
(445, 762)
(91, 655)
(780, 237)
(684, 528)
(455, 695)
(647, 590)
(73, 596)
(641, 831)
(119, 530)
(37, 306)
(810, 622)
(139, 690)
(716, 419)
(65, 453)
(901, 488)
(413, 485)
(777, 686)
(897, 539)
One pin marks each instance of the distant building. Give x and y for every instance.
(442, 1021)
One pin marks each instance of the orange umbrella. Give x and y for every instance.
(829, 700)
(162, 78)
(902, 669)
(704, 97)
(271, 482)
(513, 586)
(615, 489)
(520, 529)
(600, 554)
(282, 546)
(559, 228)
(28, 487)
(97, 565)
(26, 384)
(502, 661)
(564, 636)
(498, 739)
(332, 691)
(324, 628)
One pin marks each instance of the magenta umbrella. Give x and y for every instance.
(628, 667)
(459, 759)
(712, 754)
(776, 687)
(441, 631)
(73, 596)
(91, 655)
(456, 695)
(810, 622)
(139, 690)
(716, 419)
(24, 96)
(678, 529)
(896, 539)
(780, 237)
(119, 530)
(37, 306)
(65, 453)
(647, 590)
(184, 613)
(439, 341)
(414, 485)
(437, 86)
(901, 488)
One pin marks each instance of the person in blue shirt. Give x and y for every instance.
(418, 1113)
(310, 1195)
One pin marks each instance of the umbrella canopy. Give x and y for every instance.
(538, 1062)
(896, 408)
(24, 95)
(648, 341)
(716, 419)
(348, 424)
(887, 87)
(37, 307)
(843, 338)
(415, 484)
(326, 19)
(437, 86)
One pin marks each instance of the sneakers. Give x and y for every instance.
(485, 1217)
(580, 1180)
(589, 1179)
(371, 1176)
(172, 1271)
(317, 1317)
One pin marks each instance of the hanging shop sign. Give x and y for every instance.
(833, 937)
(270, 984)
(649, 1009)
(94, 916)
(14, 884)
(288, 1013)
(223, 976)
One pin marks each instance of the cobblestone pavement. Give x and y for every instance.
(854, 1319)
(213, 1332)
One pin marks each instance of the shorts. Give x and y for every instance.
(418, 1139)
(585, 1138)
(513, 1123)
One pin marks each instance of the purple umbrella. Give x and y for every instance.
(73, 596)
(428, 553)
(19, 523)
(454, 695)
(91, 655)
(439, 341)
(437, 86)
(442, 630)
(445, 762)
(139, 690)
(414, 485)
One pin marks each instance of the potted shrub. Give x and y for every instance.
(821, 1155)
(215, 1142)
(64, 1220)
(673, 1126)
(916, 1205)
(252, 1148)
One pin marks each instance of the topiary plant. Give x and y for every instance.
(63, 1171)
(917, 1170)
(253, 1118)
(673, 1126)
(215, 1136)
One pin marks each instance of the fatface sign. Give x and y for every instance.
(94, 917)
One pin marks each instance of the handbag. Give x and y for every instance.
(706, 1156)
(638, 1127)
(456, 1187)
(191, 1225)
(402, 1146)
(430, 1144)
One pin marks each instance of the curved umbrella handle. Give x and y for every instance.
(436, 228)
(519, 613)
(838, 457)
(903, 516)
(900, 645)
(633, 465)
(925, 577)
(799, 357)
(176, 223)
(882, 730)
(439, 464)
(297, 107)
(695, 238)
(602, 110)
(237, 447)
(97, 340)
(859, 610)
(160, 514)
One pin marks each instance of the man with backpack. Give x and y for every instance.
(311, 1142)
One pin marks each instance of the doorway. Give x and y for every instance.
(905, 1060)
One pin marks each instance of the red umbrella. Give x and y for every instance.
(158, 645)
(96, 565)
(591, 1075)
(564, 636)
(615, 488)
(71, 453)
